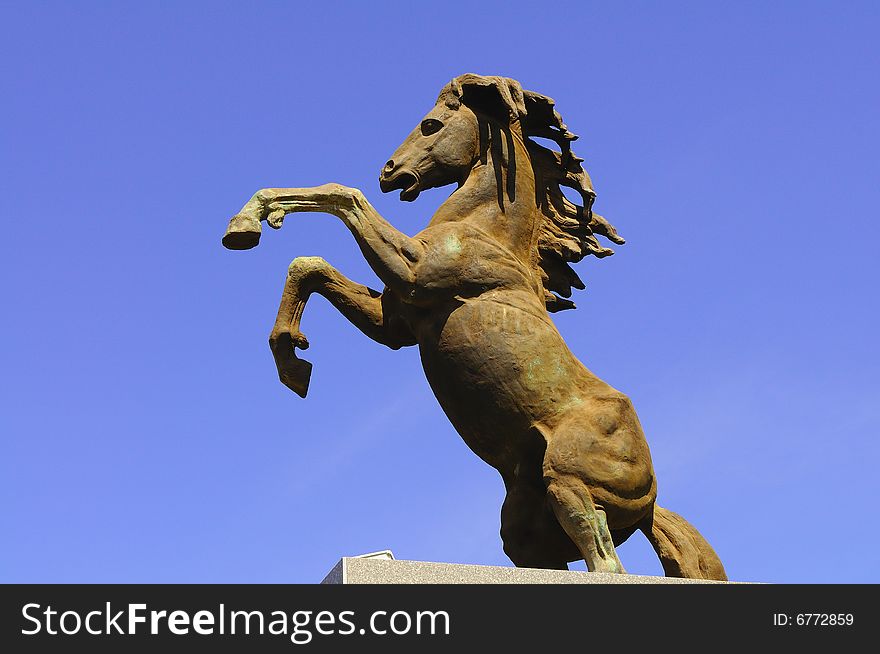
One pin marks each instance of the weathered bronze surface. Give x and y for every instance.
(473, 291)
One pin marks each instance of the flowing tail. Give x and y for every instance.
(682, 550)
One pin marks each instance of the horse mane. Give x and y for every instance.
(568, 230)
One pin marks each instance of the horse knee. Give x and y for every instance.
(307, 272)
(306, 265)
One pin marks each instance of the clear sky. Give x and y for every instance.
(145, 436)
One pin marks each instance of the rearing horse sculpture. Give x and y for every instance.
(473, 291)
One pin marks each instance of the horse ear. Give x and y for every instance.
(497, 97)
(485, 100)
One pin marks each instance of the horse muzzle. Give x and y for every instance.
(407, 181)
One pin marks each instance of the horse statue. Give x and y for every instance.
(473, 291)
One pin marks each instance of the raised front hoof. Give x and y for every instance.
(296, 375)
(243, 233)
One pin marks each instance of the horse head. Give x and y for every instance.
(455, 134)
(442, 149)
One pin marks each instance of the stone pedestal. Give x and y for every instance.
(382, 568)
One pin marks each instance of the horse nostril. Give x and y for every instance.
(389, 166)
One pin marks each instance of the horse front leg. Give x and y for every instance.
(374, 313)
(390, 253)
(286, 336)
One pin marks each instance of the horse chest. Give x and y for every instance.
(445, 261)
(458, 260)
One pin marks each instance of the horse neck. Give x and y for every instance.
(485, 201)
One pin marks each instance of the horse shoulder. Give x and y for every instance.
(461, 256)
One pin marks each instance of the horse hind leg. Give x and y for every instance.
(531, 535)
(584, 522)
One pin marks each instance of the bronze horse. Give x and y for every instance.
(473, 291)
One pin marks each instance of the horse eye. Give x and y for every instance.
(431, 126)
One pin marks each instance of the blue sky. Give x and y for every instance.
(145, 437)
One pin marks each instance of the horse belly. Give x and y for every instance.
(497, 370)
